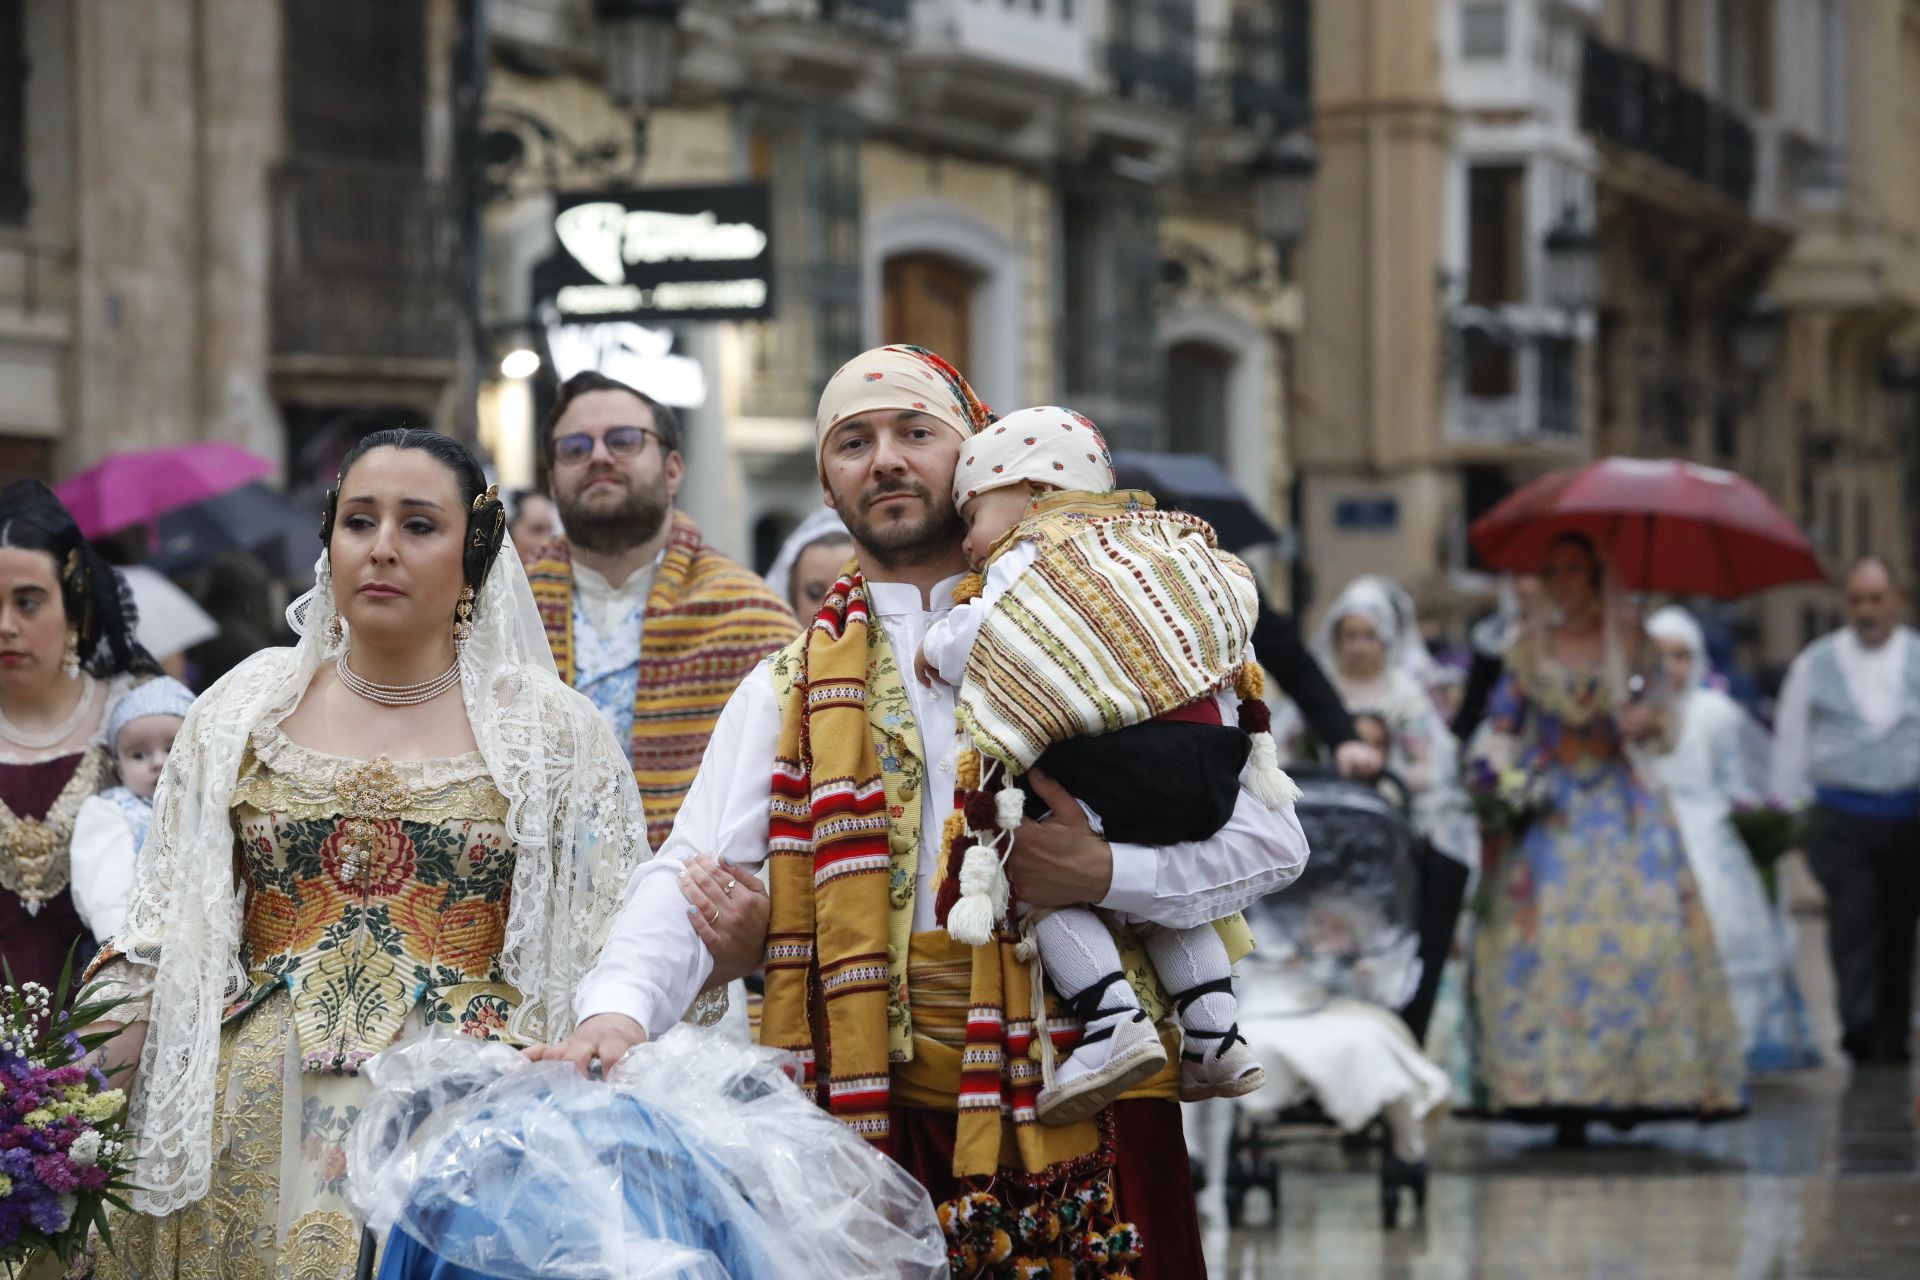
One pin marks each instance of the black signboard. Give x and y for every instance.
(662, 253)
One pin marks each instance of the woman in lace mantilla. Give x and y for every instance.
(405, 821)
(67, 654)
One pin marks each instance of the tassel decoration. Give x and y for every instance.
(1267, 780)
(1009, 807)
(983, 897)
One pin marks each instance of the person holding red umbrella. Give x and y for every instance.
(1848, 738)
(1597, 988)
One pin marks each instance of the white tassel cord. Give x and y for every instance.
(1268, 781)
(1009, 807)
(983, 897)
(1029, 951)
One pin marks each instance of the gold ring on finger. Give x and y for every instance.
(727, 888)
(715, 919)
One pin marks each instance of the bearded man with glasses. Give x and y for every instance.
(645, 618)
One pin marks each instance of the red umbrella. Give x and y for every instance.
(1663, 525)
(138, 488)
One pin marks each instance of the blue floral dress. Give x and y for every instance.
(1597, 989)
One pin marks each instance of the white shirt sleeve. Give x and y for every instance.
(1178, 886)
(1792, 718)
(950, 640)
(654, 964)
(102, 866)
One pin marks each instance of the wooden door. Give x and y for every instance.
(929, 302)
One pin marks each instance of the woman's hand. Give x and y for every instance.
(119, 1057)
(605, 1036)
(1358, 761)
(729, 909)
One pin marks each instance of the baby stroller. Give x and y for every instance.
(696, 1158)
(1336, 996)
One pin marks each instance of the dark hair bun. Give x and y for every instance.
(486, 531)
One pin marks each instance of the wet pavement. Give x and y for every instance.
(1821, 1181)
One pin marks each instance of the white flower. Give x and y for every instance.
(85, 1150)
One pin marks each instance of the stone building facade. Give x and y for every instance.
(222, 219)
(1736, 172)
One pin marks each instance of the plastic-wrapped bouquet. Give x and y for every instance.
(1770, 830)
(1506, 800)
(62, 1136)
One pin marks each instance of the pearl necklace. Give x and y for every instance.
(397, 695)
(60, 732)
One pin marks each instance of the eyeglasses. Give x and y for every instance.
(621, 442)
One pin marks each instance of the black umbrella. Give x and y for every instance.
(251, 518)
(1196, 484)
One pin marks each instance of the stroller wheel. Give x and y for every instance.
(1397, 1175)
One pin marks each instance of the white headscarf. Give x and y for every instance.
(1675, 623)
(1744, 747)
(824, 525)
(1367, 597)
(573, 814)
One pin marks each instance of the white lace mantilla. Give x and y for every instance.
(574, 816)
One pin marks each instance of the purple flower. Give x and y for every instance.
(58, 1173)
(47, 1215)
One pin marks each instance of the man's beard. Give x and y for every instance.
(612, 530)
(899, 543)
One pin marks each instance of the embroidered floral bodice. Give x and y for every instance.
(372, 887)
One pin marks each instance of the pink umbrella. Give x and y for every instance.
(138, 488)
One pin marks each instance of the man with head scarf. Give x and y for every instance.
(840, 771)
(645, 618)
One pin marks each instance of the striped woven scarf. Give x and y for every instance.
(709, 621)
(828, 864)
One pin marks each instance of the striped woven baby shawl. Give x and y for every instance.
(1128, 613)
(709, 621)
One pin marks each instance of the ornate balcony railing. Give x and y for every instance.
(1267, 59)
(1627, 100)
(1150, 54)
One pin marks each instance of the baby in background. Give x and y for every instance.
(111, 827)
(1166, 773)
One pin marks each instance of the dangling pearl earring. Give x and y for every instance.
(463, 620)
(71, 660)
(336, 631)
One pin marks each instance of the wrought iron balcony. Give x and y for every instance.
(877, 15)
(1267, 56)
(1627, 100)
(1150, 55)
(363, 263)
